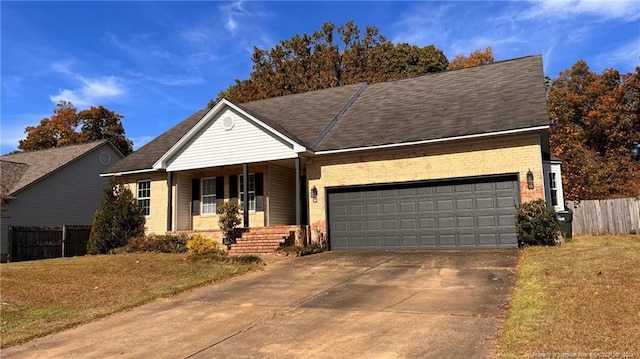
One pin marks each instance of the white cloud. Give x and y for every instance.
(625, 10)
(178, 80)
(626, 56)
(92, 92)
(195, 35)
(232, 12)
(63, 66)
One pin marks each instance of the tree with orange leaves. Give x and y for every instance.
(96, 123)
(595, 130)
(476, 58)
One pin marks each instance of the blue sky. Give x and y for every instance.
(158, 62)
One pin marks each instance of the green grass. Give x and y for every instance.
(43, 297)
(580, 298)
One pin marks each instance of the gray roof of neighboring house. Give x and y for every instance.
(19, 170)
(502, 96)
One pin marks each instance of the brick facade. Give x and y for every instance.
(517, 153)
(157, 219)
(462, 158)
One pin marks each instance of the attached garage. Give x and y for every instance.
(455, 213)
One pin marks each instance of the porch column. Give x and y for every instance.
(169, 200)
(245, 194)
(298, 189)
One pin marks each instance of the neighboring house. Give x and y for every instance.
(436, 161)
(54, 187)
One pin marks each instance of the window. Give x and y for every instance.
(208, 195)
(252, 191)
(144, 196)
(554, 189)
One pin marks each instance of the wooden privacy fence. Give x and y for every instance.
(610, 216)
(31, 243)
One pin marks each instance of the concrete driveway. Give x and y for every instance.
(439, 304)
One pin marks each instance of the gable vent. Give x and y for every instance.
(228, 122)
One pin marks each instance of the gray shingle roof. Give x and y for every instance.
(506, 95)
(303, 115)
(501, 96)
(19, 170)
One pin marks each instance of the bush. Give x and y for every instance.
(117, 221)
(165, 243)
(537, 224)
(201, 247)
(228, 220)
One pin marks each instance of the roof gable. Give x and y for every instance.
(19, 170)
(225, 136)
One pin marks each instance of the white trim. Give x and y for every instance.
(392, 145)
(138, 198)
(162, 162)
(127, 172)
(202, 195)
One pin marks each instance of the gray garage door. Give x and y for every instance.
(469, 213)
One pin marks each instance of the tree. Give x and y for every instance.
(117, 221)
(595, 130)
(314, 62)
(59, 130)
(228, 220)
(96, 123)
(476, 58)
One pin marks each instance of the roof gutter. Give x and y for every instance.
(438, 140)
(127, 172)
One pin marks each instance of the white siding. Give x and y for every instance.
(183, 202)
(69, 196)
(282, 195)
(217, 146)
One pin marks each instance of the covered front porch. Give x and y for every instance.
(275, 195)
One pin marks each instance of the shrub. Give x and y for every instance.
(165, 243)
(537, 224)
(117, 221)
(228, 220)
(201, 247)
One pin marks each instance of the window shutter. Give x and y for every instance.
(259, 178)
(195, 196)
(219, 190)
(233, 188)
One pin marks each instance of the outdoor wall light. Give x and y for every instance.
(530, 179)
(314, 194)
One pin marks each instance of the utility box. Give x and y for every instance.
(566, 219)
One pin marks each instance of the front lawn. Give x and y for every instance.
(42, 297)
(580, 299)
